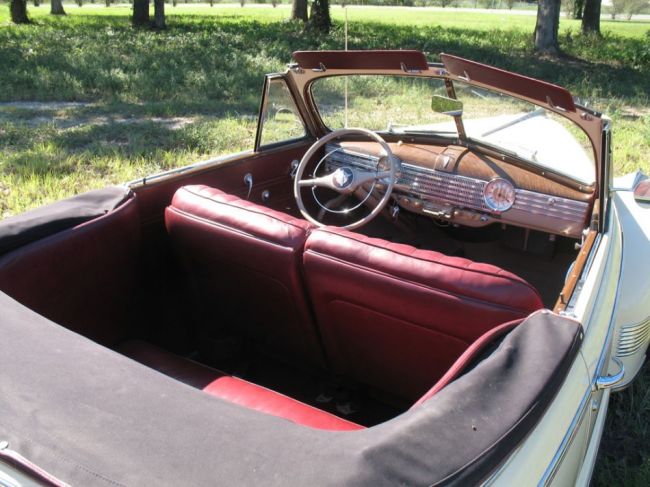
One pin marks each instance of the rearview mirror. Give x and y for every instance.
(284, 114)
(447, 106)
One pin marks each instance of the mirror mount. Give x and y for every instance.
(452, 107)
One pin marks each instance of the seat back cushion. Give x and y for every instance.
(244, 265)
(82, 275)
(396, 317)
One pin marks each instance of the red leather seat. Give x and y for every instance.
(244, 261)
(233, 389)
(396, 317)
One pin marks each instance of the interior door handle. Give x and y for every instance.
(248, 181)
(607, 381)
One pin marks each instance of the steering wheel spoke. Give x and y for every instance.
(323, 182)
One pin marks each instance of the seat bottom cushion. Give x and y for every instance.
(233, 389)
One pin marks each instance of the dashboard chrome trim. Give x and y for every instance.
(560, 215)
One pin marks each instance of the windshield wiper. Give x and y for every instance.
(526, 116)
(400, 129)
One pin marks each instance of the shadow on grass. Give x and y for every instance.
(48, 150)
(216, 64)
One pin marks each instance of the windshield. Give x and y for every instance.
(402, 104)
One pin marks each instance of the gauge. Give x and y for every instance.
(499, 195)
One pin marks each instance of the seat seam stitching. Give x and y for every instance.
(417, 284)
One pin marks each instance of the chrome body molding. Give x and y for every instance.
(632, 338)
(599, 319)
(562, 449)
(189, 169)
(544, 212)
(569, 437)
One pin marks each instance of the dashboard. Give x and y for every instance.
(465, 187)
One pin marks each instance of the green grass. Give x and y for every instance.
(153, 101)
(208, 68)
(624, 457)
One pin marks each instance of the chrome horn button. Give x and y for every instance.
(342, 177)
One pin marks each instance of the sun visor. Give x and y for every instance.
(535, 90)
(406, 60)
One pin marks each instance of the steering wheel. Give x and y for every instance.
(345, 180)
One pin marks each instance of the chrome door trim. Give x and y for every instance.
(560, 453)
(552, 468)
(607, 381)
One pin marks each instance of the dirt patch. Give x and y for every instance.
(44, 105)
(635, 112)
(61, 114)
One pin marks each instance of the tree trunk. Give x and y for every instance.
(56, 7)
(140, 13)
(19, 12)
(548, 21)
(320, 16)
(299, 10)
(591, 17)
(159, 14)
(578, 8)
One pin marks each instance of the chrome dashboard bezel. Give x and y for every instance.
(490, 204)
(431, 187)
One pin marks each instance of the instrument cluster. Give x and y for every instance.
(470, 201)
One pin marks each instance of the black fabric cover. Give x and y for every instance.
(90, 416)
(39, 223)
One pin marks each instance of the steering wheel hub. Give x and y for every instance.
(343, 177)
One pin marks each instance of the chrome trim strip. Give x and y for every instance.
(552, 206)
(551, 470)
(632, 338)
(464, 191)
(560, 453)
(187, 169)
(607, 381)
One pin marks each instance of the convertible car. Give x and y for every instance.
(445, 295)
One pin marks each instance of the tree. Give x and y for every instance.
(159, 14)
(140, 13)
(628, 7)
(18, 10)
(573, 8)
(591, 17)
(299, 10)
(56, 7)
(320, 16)
(548, 21)
(635, 7)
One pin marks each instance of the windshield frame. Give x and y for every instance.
(591, 122)
(455, 137)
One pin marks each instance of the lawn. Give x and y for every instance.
(206, 73)
(124, 103)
